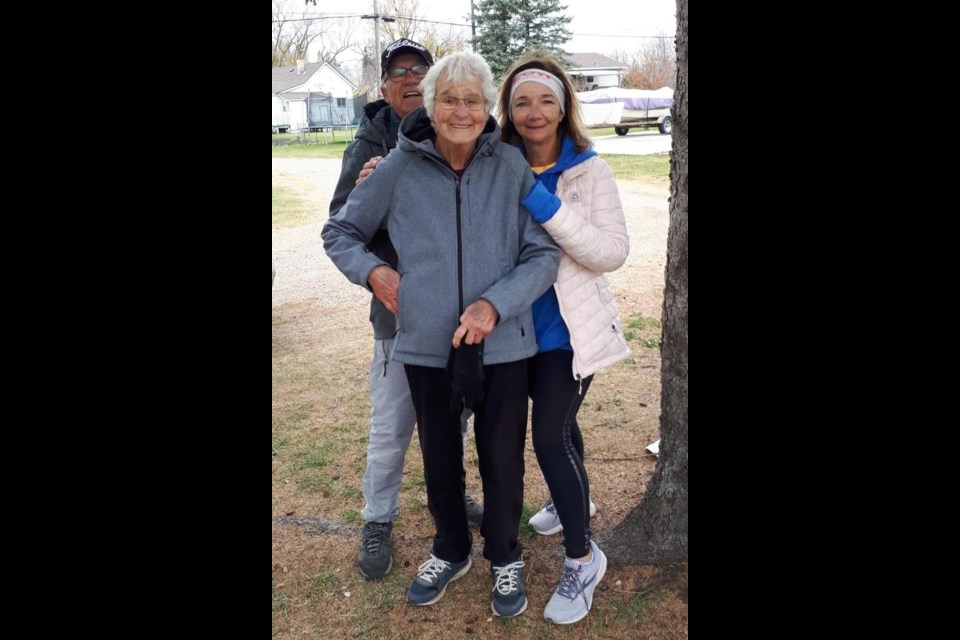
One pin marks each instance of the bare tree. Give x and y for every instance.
(336, 37)
(369, 83)
(294, 35)
(650, 67)
(655, 532)
(282, 38)
(440, 40)
(338, 40)
(291, 35)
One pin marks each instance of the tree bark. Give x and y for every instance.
(655, 532)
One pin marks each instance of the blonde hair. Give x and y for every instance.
(572, 124)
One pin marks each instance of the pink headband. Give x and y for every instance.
(545, 78)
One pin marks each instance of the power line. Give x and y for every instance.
(612, 35)
(455, 24)
(320, 17)
(595, 35)
(323, 16)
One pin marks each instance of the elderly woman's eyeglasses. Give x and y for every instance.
(399, 73)
(472, 103)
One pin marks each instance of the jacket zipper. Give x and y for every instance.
(456, 180)
(459, 253)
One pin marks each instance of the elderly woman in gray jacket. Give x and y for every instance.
(472, 260)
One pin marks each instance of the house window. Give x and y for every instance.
(589, 78)
(341, 102)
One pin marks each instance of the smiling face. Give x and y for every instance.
(536, 113)
(460, 125)
(404, 96)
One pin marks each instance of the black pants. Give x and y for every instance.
(500, 429)
(558, 443)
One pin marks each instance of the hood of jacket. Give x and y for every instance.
(417, 134)
(569, 157)
(375, 125)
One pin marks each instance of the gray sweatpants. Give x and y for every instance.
(391, 427)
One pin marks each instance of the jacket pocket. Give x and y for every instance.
(520, 327)
(400, 306)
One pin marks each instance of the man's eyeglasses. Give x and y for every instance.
(472, 103)
(399, 73)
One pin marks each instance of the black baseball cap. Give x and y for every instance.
(403, 46)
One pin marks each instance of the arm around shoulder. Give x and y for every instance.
(346, 235)
(596, 237)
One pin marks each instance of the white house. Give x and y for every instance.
(591, 71)
(311, 95)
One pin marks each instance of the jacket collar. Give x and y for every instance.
(416, 134)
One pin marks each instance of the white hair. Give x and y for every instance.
(459, 67)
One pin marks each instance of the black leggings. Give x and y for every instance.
(558, 443)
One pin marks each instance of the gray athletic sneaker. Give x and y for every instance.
(432, 579)
(546, 521)
(573, 597)
(509, 593)
(474, 511)
(375, 560)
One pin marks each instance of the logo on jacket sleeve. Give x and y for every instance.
(575, 197)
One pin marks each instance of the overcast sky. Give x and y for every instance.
(617, 22)
(613, 24)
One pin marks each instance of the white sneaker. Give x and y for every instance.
(574, 595)
(546, 522)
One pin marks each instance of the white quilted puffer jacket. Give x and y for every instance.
(591, 230)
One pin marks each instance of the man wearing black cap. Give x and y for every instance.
(402, 65)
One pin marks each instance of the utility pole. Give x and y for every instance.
(376, 17)
(376, 32)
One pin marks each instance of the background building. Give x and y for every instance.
(311, 95)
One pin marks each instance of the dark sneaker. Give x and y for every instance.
(574, 595)
(375, 560)
(474, 511)
(432, 579)
(509, 594)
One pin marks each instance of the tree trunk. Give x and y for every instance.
(655, 532)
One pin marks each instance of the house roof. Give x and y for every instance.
(587, 61)
(345, 78)
(287, 77)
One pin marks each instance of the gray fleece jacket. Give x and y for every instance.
(457, 240)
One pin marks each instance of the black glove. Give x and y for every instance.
(464, 374)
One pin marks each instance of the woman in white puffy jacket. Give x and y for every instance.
(577, 328)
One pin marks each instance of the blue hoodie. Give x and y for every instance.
(548, 324)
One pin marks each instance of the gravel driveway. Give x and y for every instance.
(304, 272)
